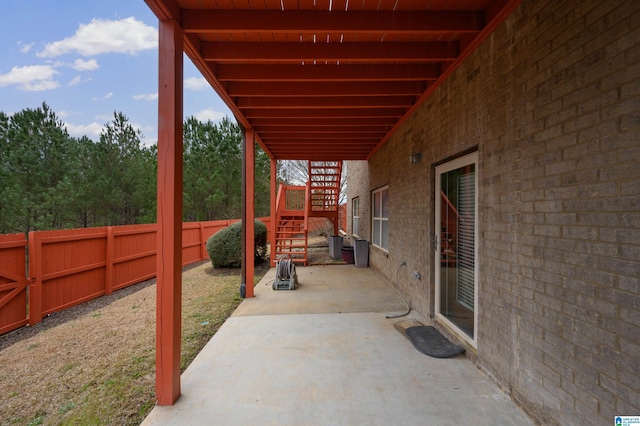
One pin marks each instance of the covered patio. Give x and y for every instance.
(323, 81)
(529, 106)
(325, 353)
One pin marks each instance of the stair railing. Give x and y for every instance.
(307, 208)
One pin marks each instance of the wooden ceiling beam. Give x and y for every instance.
(327, 102)
(287, 130)
(321, 156)
(222, 52)
(336, 145)
(324, 121)
(207, 21)
(336, 88)
(321, 153)
(345, 146)
(323, 113)
(313, 138)
(310, 73)
(302, 136)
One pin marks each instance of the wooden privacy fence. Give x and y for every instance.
(69, 267)
(13, 282)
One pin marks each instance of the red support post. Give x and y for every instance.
(169, 257)
(272, 225)
(248, 214)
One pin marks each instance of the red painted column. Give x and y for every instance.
(272, 225)
(248, 213)
(169, 255)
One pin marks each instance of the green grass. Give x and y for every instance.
(126, 393)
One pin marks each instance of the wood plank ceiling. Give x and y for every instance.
(328, 79)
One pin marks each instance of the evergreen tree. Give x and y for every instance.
(213, 172)
(50, 180)
(122, 175)
(35, 171)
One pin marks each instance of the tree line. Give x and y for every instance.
(51, 180)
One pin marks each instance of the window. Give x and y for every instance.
(380, 219)
(355, 216)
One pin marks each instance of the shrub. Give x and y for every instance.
(225, 246)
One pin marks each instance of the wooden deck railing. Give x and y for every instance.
(72, 266)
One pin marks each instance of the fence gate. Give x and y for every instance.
(13, 282)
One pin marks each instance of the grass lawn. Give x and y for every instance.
(97, 366)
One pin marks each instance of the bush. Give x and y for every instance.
(225, 246)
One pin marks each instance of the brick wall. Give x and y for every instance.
(552, 102)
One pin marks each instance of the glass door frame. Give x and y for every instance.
(439, 171)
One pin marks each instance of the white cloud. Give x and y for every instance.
(40, 86)
(82, 65)
(92, 130)
(105, 36)
(107, 96)
(31, 78)
(25, 47)
(146, 97)
(209, 114)
(75, 81)
(195, 83)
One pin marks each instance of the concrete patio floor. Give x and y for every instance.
(325, 354)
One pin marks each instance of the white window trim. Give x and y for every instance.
(354, 216)
(379, 219)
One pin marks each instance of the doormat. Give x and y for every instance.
(429, 341)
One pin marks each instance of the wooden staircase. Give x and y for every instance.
(324, 189)
(295, 204)
(292, 223)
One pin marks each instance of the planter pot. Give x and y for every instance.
(361, 253)
(335, 246)
(347, 254)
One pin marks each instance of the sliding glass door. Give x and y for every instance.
(456, 237)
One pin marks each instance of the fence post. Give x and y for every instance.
(108, 276)
(35, 278)
(203, 243)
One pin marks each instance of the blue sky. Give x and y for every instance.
(87, 59)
